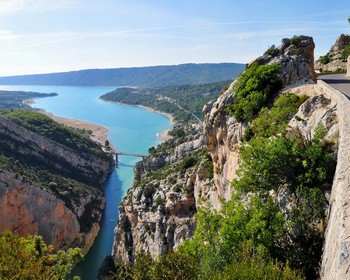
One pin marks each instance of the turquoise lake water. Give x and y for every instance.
(131, 129)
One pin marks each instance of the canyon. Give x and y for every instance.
(50, 188)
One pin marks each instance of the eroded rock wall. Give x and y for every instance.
(157, 214)
(64, 214)
(296, 59)
(222, 135)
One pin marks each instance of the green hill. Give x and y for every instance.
(184, 74)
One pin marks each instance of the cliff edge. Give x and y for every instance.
(50, 180)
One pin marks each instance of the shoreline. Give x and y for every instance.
(99, 132)
(164, 134)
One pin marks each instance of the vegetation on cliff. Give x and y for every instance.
(30, 258)
(336, 58)
(71, 179)
(254, 90)
(71, 138)
(185, 102)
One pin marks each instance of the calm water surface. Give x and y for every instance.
(132, 130)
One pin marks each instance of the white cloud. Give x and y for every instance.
(11, 6)
(6, 35)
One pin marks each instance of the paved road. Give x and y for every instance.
(338, 81)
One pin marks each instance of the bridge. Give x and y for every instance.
(117, 153)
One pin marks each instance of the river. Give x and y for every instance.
(131, 129)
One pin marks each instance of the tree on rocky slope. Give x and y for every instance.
(30, 258)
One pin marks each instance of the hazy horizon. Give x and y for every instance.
(146, 66)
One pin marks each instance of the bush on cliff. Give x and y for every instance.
(254, 90)
(30, 258)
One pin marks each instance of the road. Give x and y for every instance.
(161, 97)
(338, 81)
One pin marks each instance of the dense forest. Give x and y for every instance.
(185, 102)
(153, 76)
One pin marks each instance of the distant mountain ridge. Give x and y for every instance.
(151, 76)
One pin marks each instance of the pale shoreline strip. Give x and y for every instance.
(99, 133)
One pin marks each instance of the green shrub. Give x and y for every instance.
(275, 120)
(295, 40)
(345, 53)
(272, 51)
(30, 258)
(325, 59)
(254, 90)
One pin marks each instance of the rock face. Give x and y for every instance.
(333, 60)
(314, 111)
(296, 58)
(348, 67)
(340, 43)
(65, 211)
(157, 213)
(222, 135)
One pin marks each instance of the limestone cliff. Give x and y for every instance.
(295, 57)
(223, 132)
(49, 188)
(336, 59)
(157, 213)
(197, 169)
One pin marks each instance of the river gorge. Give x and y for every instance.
(127, 127)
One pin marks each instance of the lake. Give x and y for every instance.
(131, 129)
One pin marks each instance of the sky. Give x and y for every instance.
(45, 36)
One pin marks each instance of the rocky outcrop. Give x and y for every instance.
(222, 135)
(49, 189)
(313, 112)
(296, 59)
(348, 67)
(157, 214)
(334, 60)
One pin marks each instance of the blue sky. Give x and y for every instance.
(43, 36)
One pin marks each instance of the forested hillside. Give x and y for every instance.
(185, 102)
(153, 76)
(14, 99)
